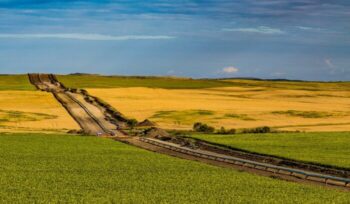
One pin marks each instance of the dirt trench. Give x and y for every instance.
(90, 117)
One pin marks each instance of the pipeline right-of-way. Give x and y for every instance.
(89, 117)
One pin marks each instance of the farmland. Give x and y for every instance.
(177, 103)
(15, 82)
(73, 168)
(303, 106)
(97, 81)
(44, 168)
(24, 109)
(324, 148)
(234, 107)
(174, 102)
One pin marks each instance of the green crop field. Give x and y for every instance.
(293, 85)
(329, 148)
(96, 81)
(99, 81)
(15, 82)
(42, 168)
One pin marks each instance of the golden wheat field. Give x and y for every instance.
(234, 107)
(32, 111)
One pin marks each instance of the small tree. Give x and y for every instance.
(132, 123)
(231, 131)
(222, 131)
(264, 129)
(196, 126)
(201, 127)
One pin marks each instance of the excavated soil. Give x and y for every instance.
(90, 117)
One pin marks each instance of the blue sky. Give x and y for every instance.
(299, 39)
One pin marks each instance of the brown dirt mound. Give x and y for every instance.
(146, 123)
(158, 133)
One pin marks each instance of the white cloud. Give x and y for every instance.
(329, 63)
(305, 28)
(332, 68)
(309, 28)
(230, 70)
(315, 29)
(83, 36)
(260, 29)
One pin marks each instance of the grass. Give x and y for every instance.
(15, 82)
(182, 117)
(72, 169)
(19, 116)
(293, 85)
(304, 114)
(96, 81)
(161, 114)
(324, 148)
(239, 116)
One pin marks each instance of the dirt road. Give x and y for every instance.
(89, 117)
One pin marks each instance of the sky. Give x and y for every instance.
(291, 39)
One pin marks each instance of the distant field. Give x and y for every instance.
(235, 107)
(293, 85)
(98, 81)
(15, 82)
(324, 148)
(32, 111)
(95, 81)
(68, 169)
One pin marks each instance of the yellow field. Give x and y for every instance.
(234, 107)
(32, 111)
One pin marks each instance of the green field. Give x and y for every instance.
(99, 81)
(329, 148)
(21, 82)
(96, 81)
(293, 85)
(58, 168)
(15, 82)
